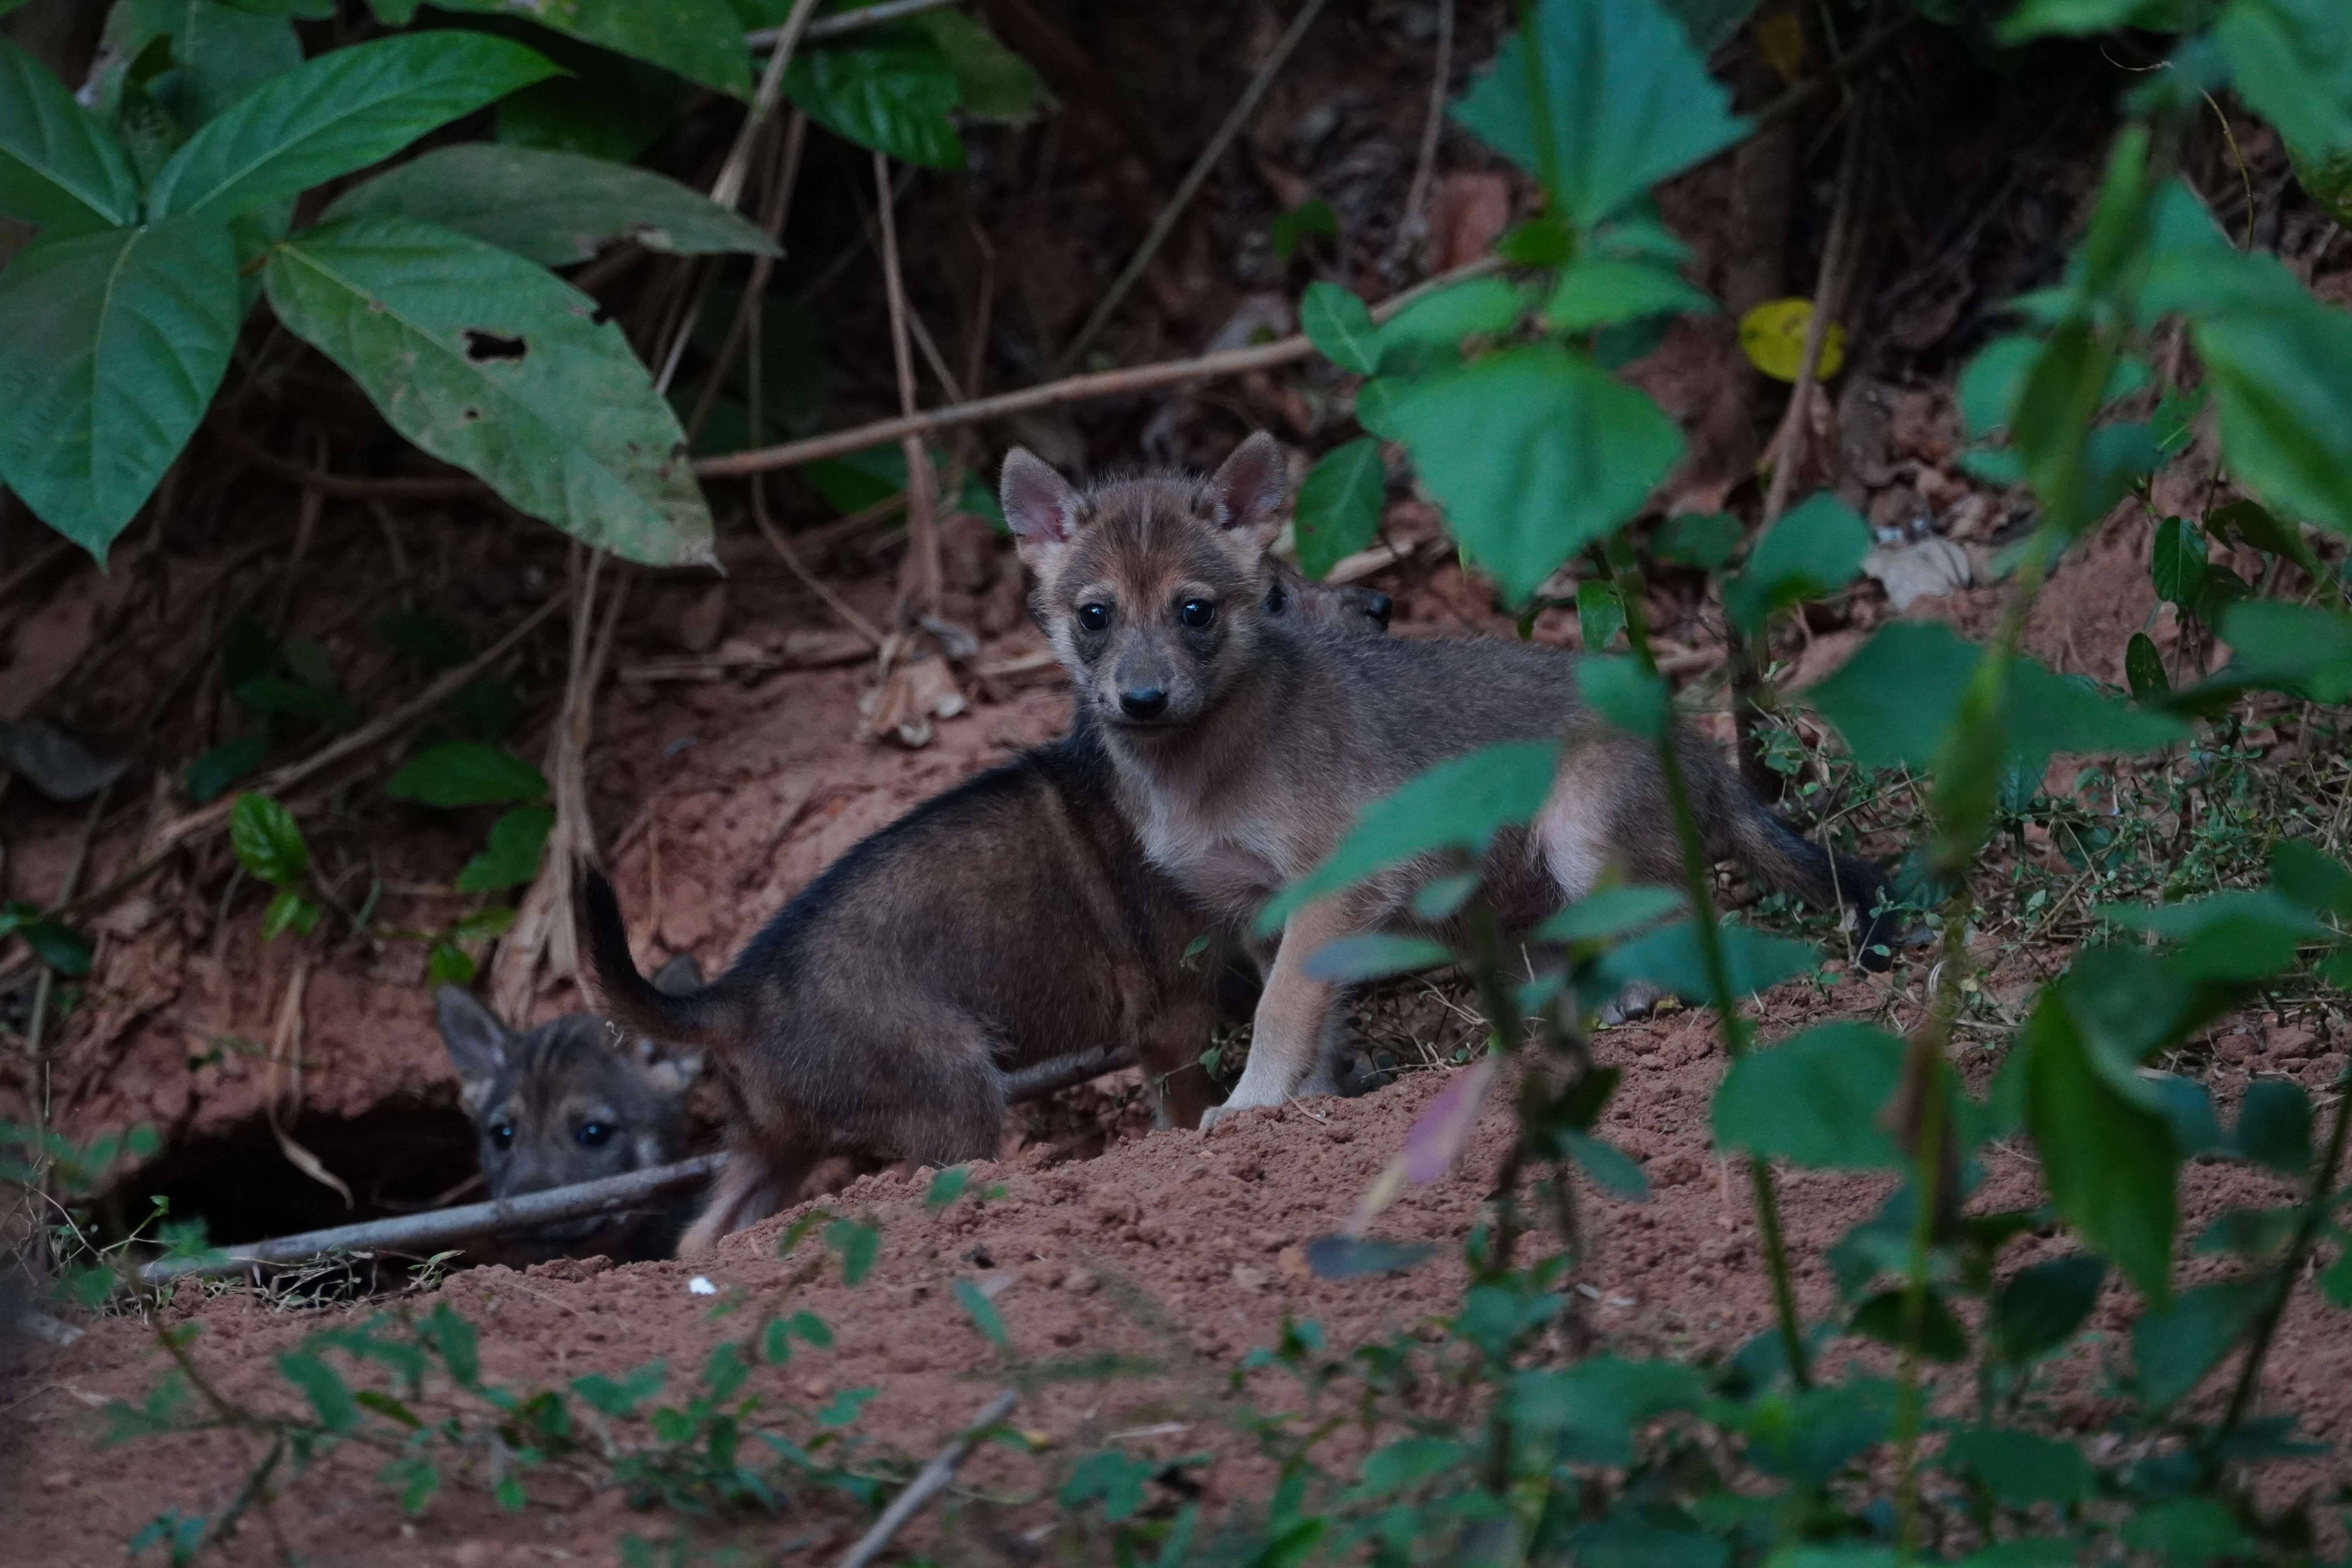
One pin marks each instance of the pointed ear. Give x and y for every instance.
(669, 1071)
(1247, 492)
(1040, 506)
(477, 1042)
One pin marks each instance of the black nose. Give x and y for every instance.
(1379, 604)
(1147, 703)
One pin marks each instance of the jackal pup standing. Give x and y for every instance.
(1006, 926)
(1242, 751)
(574, 1101)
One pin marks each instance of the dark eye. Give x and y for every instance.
(502, 1135)
(1093, 617)
(1196, 612)
(590, 1134)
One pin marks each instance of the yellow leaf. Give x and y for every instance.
(1772, 335)
(1780, 40)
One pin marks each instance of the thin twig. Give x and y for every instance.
(1068, 389)
(932, 1480)
(922, 523)
(809, 579)
(1415, 226)
(780, 207)
(416, 1232)
(1165, 224)
(846, 22)
(729, 186)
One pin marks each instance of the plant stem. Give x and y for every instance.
(1695, 885)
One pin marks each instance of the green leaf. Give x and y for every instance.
(56, 943)
(218, 53)
(1625, 102)
(1339, 326)
(1610, 1167)
(1462, 802)
(997, 85)
(448, 965)
(1598, 291)
(859, 1244)
(893, 94)
(1374, 955)
(1600, 614)
(1814, 1099)
(1609, 912)
(2143, 670)
(1596, 1405)
(466, 773)
(1669, 959)
(2280, 365)
(2041, 1305)
(2021, 1469)
(2241, 934)
(288, 911)
(1815, 549)
(1885, 1318)
(275, 694)
(1534, 453)
(702, 40)
(947, 1186)
(842, 1409)
(2294, 647)
(59, 167)
(2274, 1126)
(2257, 525)
(2310, 878)
(2176, 1344)
(268, 842)
(323, 1387)
(1707, 542)
(1340, 504)
(211, 775)
(1359, 1258)
(2074, 19)
(1430, 331)
(114, 344)
(1625, 693)
(2110, 1163)
(334, 113)
(554, 208)
(982, 1314)
(512, 857)
(2188, 1530)
(489, 363)
(2177, 563)
(1114, 1478)
(2292, 62)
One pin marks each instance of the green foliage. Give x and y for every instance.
(517, 837)
(56, 943)
(702, 40)
(1816, 1100)
(466, 773)
(1339, 509)
(893, 89)
(59, 167)
(859, 1241)
(1810, 554)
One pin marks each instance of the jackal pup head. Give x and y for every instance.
(1153, 589)
(573, 1101)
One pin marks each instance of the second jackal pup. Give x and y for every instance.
(1008, 924)
(1242, 751)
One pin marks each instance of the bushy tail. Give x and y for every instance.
(710, 1016)
(1743, 829)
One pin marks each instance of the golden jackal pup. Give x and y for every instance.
(1008, 924)
(1242, 750)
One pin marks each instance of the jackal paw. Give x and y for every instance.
(1245, 1097)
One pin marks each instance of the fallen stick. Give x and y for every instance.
(928, 1483)
(1052, 1078)
(418, 1232)
(1070, 389)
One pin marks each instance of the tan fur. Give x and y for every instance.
(1244, 751)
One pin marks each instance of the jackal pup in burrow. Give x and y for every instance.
(894, 1007)
(575, 1100)
(1242, 751)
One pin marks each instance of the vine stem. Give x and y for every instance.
(2306, 1234)
(1696, 871)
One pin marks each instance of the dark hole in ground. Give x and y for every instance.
(397, 1159)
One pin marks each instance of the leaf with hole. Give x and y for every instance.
(60, 168)
(115, 343)
(334, 113)
(894, 94)
(1338, 510)
(489, 363)
(511, 859)
(1460, 804)
(1816, 1100)
(466, 773)
(1624, 102)
(554, 208)
(1534, 453)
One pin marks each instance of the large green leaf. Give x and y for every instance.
(219, 52)
(1670, 959)
(555, 209)
(1814, 1099)
(1533, 452)
(58, 166)
(702, 40)
(2291, 63)
(2109, 1163)
(1630, 103)
(1812, 552)
(893, 94)
(2175, 1345)
(1462, 803)
(112, 346)
(995, 83)
(2300, 647)
(489, 363)
(1340, 505)
(2283, 383)
(338, 112)
(466, 773)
